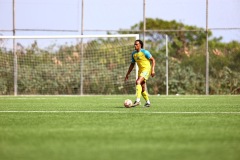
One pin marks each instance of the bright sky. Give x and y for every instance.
(114, 15)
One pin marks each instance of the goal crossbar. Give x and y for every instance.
(70, 36)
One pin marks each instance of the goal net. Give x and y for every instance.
(66, 65)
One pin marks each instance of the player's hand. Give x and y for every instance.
(153, 74)
(126, 78)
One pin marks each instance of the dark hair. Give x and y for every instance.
(141, 43)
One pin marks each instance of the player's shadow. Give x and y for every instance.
(123, 107)
(119, 107)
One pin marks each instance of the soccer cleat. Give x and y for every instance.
(147, 105)
(136, 104)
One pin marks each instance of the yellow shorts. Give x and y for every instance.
(145, 74)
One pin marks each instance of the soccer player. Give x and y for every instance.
(143, 58)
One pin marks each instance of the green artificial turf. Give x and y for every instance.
(100, 128)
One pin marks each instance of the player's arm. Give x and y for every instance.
(150, 57)
(153, 66)
(129, 70)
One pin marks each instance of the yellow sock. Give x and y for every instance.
(145, 95)
(138, 91)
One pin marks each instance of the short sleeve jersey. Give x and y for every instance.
(142, 58)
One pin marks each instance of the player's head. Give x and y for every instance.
(140, 42)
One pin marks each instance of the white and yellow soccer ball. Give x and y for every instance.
(128, 103)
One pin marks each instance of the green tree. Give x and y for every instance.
(182, 38)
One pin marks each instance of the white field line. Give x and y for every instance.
(28, 98)
(120, 112)
(164, 98)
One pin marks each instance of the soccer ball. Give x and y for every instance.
(127, 103)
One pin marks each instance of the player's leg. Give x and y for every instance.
(140, 85)
(144, 91)
(145, 94)
(138, 90)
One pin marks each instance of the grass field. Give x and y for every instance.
(100, 128)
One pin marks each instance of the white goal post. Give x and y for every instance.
(18, 57)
